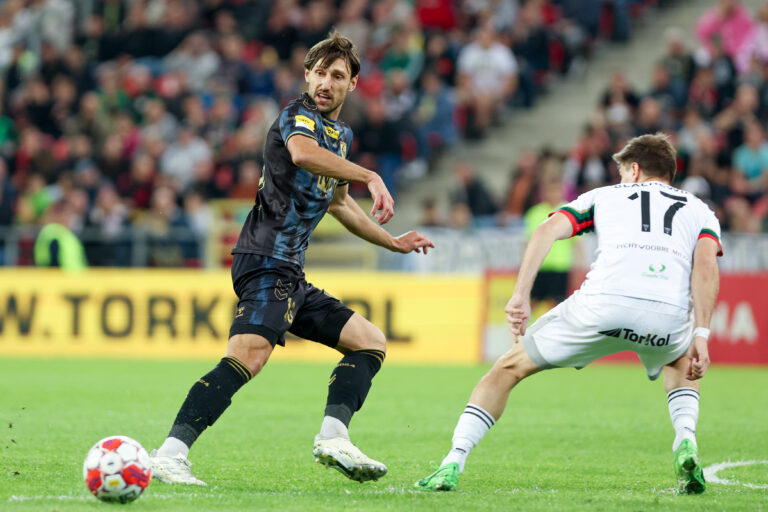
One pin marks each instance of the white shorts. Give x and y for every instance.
(587, 327)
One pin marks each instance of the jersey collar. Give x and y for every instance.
(307, 99)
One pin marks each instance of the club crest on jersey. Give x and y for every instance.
(304, 121)
(656, 271)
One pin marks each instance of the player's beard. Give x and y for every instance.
(329, 107)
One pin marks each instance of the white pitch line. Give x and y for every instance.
(710, 473)
(87, 497)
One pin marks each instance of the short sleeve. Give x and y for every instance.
(711, 229)
(581, 213)
(296, 119)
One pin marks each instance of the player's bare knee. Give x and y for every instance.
(251, 350)
(512, 367)
(360, 334)
(376, 340)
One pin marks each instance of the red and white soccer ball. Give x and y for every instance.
(117, 469)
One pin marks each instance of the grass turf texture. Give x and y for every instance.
(598, 439)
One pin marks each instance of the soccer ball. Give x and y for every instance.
(117, 469)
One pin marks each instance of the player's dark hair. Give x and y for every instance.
(335, 47)
(654, 153)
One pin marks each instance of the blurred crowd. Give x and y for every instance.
(711, 100)
(118, 113)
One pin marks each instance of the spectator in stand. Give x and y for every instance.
(137, 185)
(108, 222)
(758, 46)
(198, 213)
(430, 217)
(433, 116)
(724, 74)
(280, 33)
(487, 79)
(728, 25)
(551, 284)
(531, 43)
(91, 120)
(440, 57)
(183, 156)
(353, 24)
(750, 161)
(247, 184)
(163, 218)
(402, 56)
(651, 117)
(399, 97)
(317, 22)
(158, 122)
(619, 100)
(523, 188)
(590, 163)
(678, 61)
(379, 141)
(7, 200)
(702, 94)
(671, 94)
(196, 58)
(56, 245)
(473, 193)
(460, 217)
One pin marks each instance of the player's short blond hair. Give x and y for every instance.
(654, 153)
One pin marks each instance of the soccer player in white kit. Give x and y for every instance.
(651, 289)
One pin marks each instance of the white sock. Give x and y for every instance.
(473, 423)
(333, 427)
(172, 447)
(684, 412)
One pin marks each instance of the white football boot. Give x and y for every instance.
(173, 470)
(340, 454)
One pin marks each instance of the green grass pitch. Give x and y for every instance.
(597, 439)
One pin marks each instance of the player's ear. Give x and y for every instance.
(306, 75)
(635, 168)
(352, 84)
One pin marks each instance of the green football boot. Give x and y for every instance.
(690, 477)
(444, 479)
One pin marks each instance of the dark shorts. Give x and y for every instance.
(275, 298)
(550, 285)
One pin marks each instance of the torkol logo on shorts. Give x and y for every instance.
(653, 340)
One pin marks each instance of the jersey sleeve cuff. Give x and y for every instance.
(706, 233)
(571, 218)
(305, 133)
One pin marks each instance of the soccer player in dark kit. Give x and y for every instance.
(305, 174)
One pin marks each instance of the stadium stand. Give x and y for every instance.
(713, 102)
(140, 120)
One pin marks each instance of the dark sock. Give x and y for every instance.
(350, 383)
(208, 398)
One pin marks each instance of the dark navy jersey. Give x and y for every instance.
(291, 200)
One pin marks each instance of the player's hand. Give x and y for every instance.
(413, 241)
(518, 312)
(382, 200)
(698, 356)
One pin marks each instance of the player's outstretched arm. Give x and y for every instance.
(348, 212)
(705, 283)
(518, 308)
(307, 154)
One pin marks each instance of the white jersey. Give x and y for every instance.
(646, 235)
